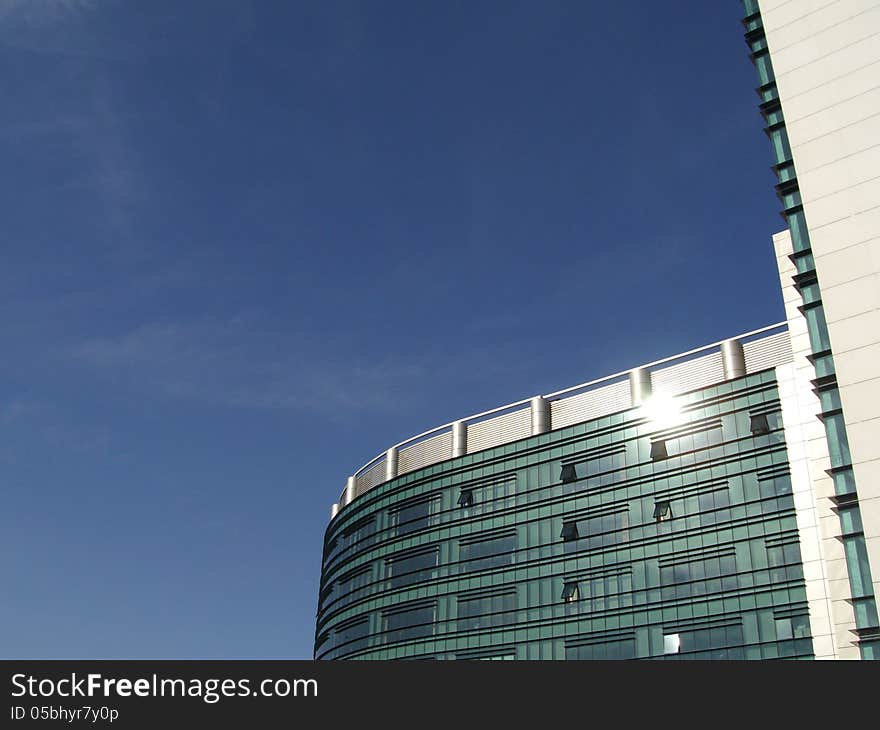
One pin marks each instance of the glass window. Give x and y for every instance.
(817, 329)
(488, 553)
(570, 591)
(784, 629)
(800, 237)
(466, 498)
(569, 531)
(765, 68)
(838, 445)
(476, 612)
(569, 473)
(759, 425)
(411, 516)
(857, 564)
(359, 531)
(779, 143)
(662, 511)
(658, 450)
(355, 579)
(671, 644)
(611, 650)
(411, 568)
(409, 623)
(354, 633)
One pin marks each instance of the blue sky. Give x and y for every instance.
(248, 245)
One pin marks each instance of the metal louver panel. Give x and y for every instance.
(430, 451)
(370, 478)
(768, 352)
(499, 430)
(689, 375)
(591, 404)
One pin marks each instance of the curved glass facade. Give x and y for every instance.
(621, 537)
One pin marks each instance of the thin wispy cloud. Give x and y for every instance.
(241, 363)
(231, 363)
(27, 421)
(37, 12)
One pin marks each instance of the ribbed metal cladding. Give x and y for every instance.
(422, 453)
(368, 479)
(768, 352)
(690, 375)
(499, 430)
(590, 404)
(391, 461)
(639, 385)
(459, 438)
(540, 408)
(733, 359)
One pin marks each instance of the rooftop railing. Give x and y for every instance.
(699, 368)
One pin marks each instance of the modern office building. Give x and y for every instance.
(721, 503)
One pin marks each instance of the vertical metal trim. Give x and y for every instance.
(459, 438)
(348, 494)
(639, 385)
(540, 415)
(334, 510)
(733, 359)
(391, 461)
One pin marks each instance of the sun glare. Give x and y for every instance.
(662, 410)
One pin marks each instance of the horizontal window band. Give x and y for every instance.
(488, 653)
(363, 522)
(673, 493)
(794, 611)
(690, 430)
(657, 539)
(593, 639)
(593, 455)
(637, 608)
(339, 525)
(413, 502)
(412, 553)
(487, 537)
(696, 557)
(766, 409)
(788, 538)
(721, 621)
(408, 607)
(509, 590)
(598, 574)
(630, 483)
(600, 511)
(776, 472)
(445, 582)
(350, 623)
(484, 482)
(356, 573)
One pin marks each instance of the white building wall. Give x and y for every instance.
(825, 572)
(826, 59)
